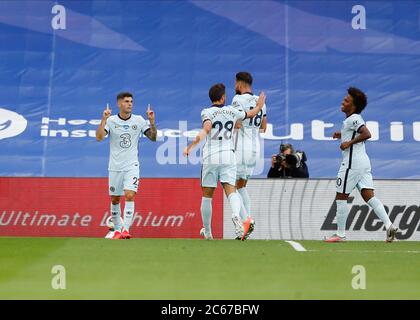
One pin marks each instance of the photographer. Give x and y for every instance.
(288, 163)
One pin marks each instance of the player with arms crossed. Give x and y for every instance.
(355, 169)
(219, 161)
(246, 141)
(124, 130)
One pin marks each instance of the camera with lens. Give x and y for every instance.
(280, 158)
(294, 159)
(288, 163)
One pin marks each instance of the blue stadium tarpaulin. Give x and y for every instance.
(62, 61)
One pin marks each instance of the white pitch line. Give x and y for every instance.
(366, 251)
(378, 251)
(297, 246)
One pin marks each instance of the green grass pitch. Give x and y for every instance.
(199, 269)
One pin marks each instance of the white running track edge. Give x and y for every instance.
(297, 246)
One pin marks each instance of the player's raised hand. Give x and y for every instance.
(337, 135)
(261, 98)
(107, 112)
(150, 113)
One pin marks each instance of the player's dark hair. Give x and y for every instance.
(245, 77)
(216, 92)
(123, 95)
(359, 98)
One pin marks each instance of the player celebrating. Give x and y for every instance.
(246, 141)
(219, 161)
(355, 170)
(124, 131)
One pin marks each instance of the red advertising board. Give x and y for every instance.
(78, 207)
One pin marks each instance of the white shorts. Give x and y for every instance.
(123, 180)
(245, 168)
(212, 173)
(348, 179)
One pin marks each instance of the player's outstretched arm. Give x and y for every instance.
(200, 136)
(260, 103)
(364, 134)
(101, 132)
(152, 132)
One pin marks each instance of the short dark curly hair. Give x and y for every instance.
(359, 98)
(123, 95)
(244, 77)
(216, 92)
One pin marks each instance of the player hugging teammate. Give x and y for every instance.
(219, 158)
(232, 163)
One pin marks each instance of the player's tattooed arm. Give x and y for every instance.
(364, 134)
(151, 133)
(101, 132)
(260, 103)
